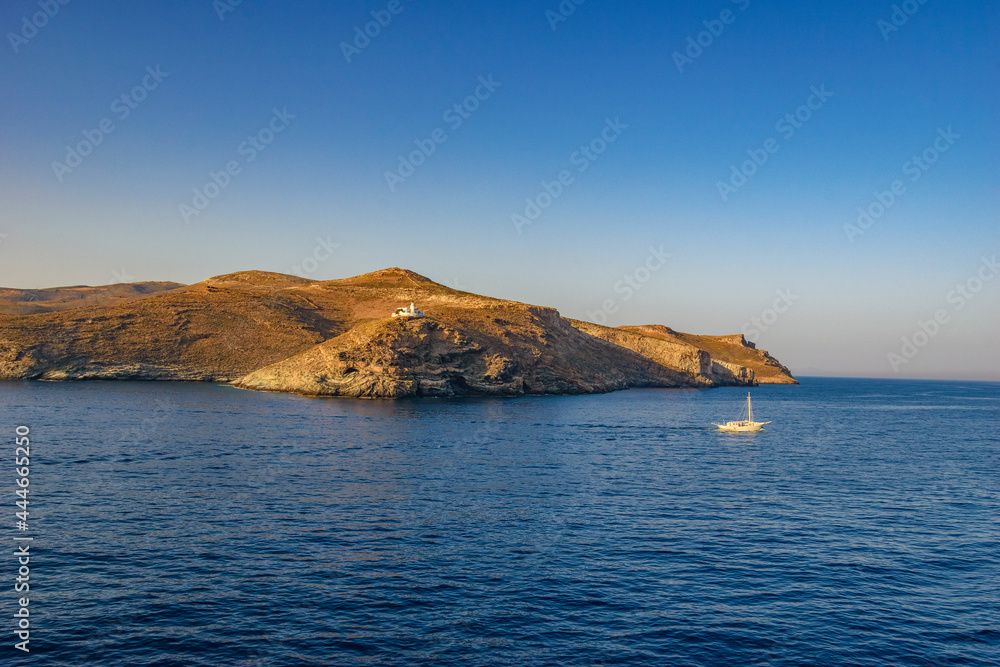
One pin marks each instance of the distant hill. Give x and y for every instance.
(276, 332)
(27, 301)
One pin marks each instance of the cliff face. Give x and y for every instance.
(281, 333)
(731, 352)
(672, 354)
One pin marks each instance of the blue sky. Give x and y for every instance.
(319, 187)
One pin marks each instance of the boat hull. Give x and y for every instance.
(741, 427)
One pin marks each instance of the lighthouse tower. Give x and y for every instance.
(408, 312)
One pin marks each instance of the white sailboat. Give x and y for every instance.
(745, 424)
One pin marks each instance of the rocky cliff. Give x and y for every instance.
(275, 332)
(730, 352)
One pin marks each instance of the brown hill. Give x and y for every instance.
(498, 348)
(27, 301)
(271, 331)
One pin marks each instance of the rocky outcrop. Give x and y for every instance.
(274, 332)
(733, 354)
(672, 354)
(535, 352)
(724, 372)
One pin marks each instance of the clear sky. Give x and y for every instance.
(114, 114)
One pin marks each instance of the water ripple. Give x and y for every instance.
(861, 527)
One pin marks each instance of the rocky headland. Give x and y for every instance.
(275, 332)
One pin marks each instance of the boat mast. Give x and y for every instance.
(749, 408)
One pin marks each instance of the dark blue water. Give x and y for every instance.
(186, 524)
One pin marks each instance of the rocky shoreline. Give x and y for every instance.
(272, 332)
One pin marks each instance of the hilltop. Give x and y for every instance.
(27, 301)
(270, 331)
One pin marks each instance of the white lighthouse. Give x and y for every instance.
(408, 312)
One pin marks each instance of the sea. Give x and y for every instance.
(199, 524)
